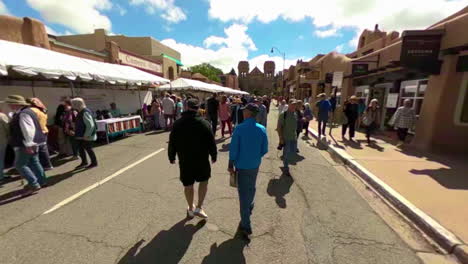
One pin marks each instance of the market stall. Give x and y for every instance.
(114, 127)
(183, 85)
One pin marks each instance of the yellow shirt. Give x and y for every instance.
(42, 118)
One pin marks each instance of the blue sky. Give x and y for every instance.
(222, 32)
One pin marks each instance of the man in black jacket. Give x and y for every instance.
(212, 107)
(193, 142)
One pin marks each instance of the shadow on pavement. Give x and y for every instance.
(12, 196)
(157, 132)
(230, 251)
(168, 246)
(278, 188)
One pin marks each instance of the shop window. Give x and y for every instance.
(413, 90)
(461, 115)
(464, 113)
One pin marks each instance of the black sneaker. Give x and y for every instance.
(30, 190)
(92, 166)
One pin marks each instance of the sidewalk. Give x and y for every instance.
(437, 185)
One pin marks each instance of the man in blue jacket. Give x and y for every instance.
(248, 145)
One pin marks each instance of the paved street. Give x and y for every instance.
(138, 216)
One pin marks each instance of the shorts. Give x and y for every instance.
(188, 176)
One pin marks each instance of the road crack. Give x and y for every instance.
(87, 239)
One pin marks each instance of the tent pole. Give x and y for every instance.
(33, 90)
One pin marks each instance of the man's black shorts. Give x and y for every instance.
(192, 174)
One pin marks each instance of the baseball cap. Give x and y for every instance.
(251, 107)
(193, 103)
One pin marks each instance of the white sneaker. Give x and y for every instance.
(200, 213)
(190, 213)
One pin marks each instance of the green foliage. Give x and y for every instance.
(207, 70)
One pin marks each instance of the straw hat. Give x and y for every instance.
(15, 100)
(321, 95)
(353, 97)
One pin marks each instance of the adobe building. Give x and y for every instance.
(230, 80)
(255, 81)
(428, 67)
(138, 47)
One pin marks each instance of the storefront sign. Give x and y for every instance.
(337, 79)
(420, 50)
(358, 69)
(392, 100)
(135, 61)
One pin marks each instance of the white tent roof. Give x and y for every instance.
(31, 61)
(182, 84)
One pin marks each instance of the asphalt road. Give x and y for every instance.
(138, 214)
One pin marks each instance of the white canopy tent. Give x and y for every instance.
(182, 84)
(32, 61)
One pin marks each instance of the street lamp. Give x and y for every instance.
(284, 62)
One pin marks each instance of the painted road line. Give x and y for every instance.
(101, 182)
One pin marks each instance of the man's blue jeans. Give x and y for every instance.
(289, 151)
(246, 181)
(29, 167)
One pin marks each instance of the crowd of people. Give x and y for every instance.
(23, 127)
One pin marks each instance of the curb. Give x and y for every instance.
(431, 227)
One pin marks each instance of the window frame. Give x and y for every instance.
(463, 93)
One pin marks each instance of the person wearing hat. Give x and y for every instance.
(287, 129)
(25, 137)
(262, 115)
(192, 141)
(324, 108)
(237, 115)
(41, 112)
(85, 133)
(248, 146)
(212, 107)
(351, 111)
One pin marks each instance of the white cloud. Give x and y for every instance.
(337, 14)
(79, 15)
(333, 32)
(3, 8)
(170, 12)
(122, 11)
(50, 31)
(339, 48)
(260, 60)
(224, 52)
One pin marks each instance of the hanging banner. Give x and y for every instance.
(420, 50)
(337, 79)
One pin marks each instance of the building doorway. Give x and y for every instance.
(171, 73)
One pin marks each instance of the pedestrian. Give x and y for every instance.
(224, 112)
(193, 142)
(300, 118)
(351, 111)
(212, 106)
(114, 111)
(179, 108)
(371, 118)
(168, 106)
(156, 113)
(282, 107)
(237, 115)
(248, 145)
(403, 120)
(4, 136)
(361, 110)
(68, 123)
(25, 137)
(308, 116)
(324, 109)
(262, 115)
(85, 133)
(41, 112)
(60, 143)
(266, 103)
(287, 129)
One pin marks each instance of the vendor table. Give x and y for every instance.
(114, 127)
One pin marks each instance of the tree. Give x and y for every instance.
(208, 71)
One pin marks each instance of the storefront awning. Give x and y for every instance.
(172, 58)
(32, 61)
